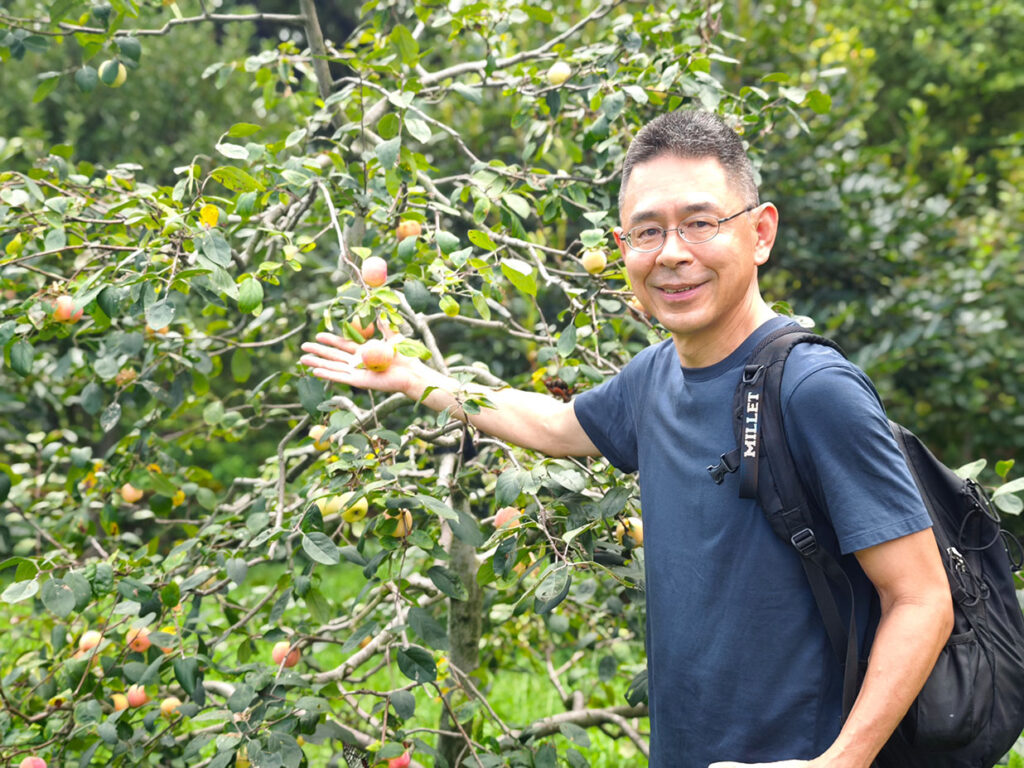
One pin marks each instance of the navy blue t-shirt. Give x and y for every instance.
(739, 662)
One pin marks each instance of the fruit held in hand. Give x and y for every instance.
(64, 310)
(559, 73)
(594, 261)
(375, 271)
(284, 653)
(169, 706)
(507, 516)
(138, 639)
(130, 493)
(408, 228)
(136, 696)
(37, 762)
(377, 355)
(632, 527)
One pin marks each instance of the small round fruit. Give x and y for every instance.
(120, 701)
(375, 271)
(507, 516)
(402, 761)
(138, 639)
(89, 640)
(632, 527)
(365, 331)
(408, 228)
(169, 706)
(377, 355)
(64, 310)
(32, 762)
(130, 493)
(404, 517)
(283, 653)
(594, 261)
(125, 376)
(559, 73)
(136, 696)
(107, 76)
(636, 305)
(316, 432)
(356, 511)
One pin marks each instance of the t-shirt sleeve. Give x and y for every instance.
(839, 437)
(606, 414)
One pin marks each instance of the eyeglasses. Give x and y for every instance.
(696, 229)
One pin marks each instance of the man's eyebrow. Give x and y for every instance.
(684, 212)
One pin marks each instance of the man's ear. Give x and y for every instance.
(617, 233)
(766, 226)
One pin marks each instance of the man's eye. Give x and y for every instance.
(647, 233)
(696, 225)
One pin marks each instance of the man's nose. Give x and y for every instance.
(675, 250)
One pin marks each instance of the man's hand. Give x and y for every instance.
(336, 358)
(781, 764)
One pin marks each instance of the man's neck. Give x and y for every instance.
(701, 350)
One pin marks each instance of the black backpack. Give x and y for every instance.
(971, 709)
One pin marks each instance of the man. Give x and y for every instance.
(740, 665)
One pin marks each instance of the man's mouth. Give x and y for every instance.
(677, 290)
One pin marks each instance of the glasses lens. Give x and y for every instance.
(646, 238)
(698, 229)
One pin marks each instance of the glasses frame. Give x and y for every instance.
(628, 237)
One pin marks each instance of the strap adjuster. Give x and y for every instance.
(804, 541)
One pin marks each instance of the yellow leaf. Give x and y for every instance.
(208, 214)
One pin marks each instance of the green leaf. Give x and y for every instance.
(20, 590)
(552, 590)
(636, 693)
(129, 47)
(110, 417)
(311, 394)
(241, 365)
(819, 102)
(233, 151)
(1014, 486)
(418, 129)
(22, 355)
(430, 631)
(567, 341)
(406, 45)
(186, 672)
(215, 248)
(575, 734)
(436, 506)
(447, 582)
(508, 486)
(404, 704)
(520, 274)
(250, 295)
(417, 664)
(481, 239)
(57, 597)
(237, 569)
(235, 179)
(87, 78)
(160, 314)
(387, 152)
(320, 548)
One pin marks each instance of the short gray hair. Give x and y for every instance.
(693, 134)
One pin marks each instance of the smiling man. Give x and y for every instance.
(740, 667)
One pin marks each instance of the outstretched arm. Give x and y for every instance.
(527, 419)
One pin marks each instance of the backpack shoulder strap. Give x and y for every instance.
(769, 474)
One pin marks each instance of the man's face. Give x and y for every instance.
(705, 294)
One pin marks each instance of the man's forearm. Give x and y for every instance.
(907, 643)
(528, 419)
